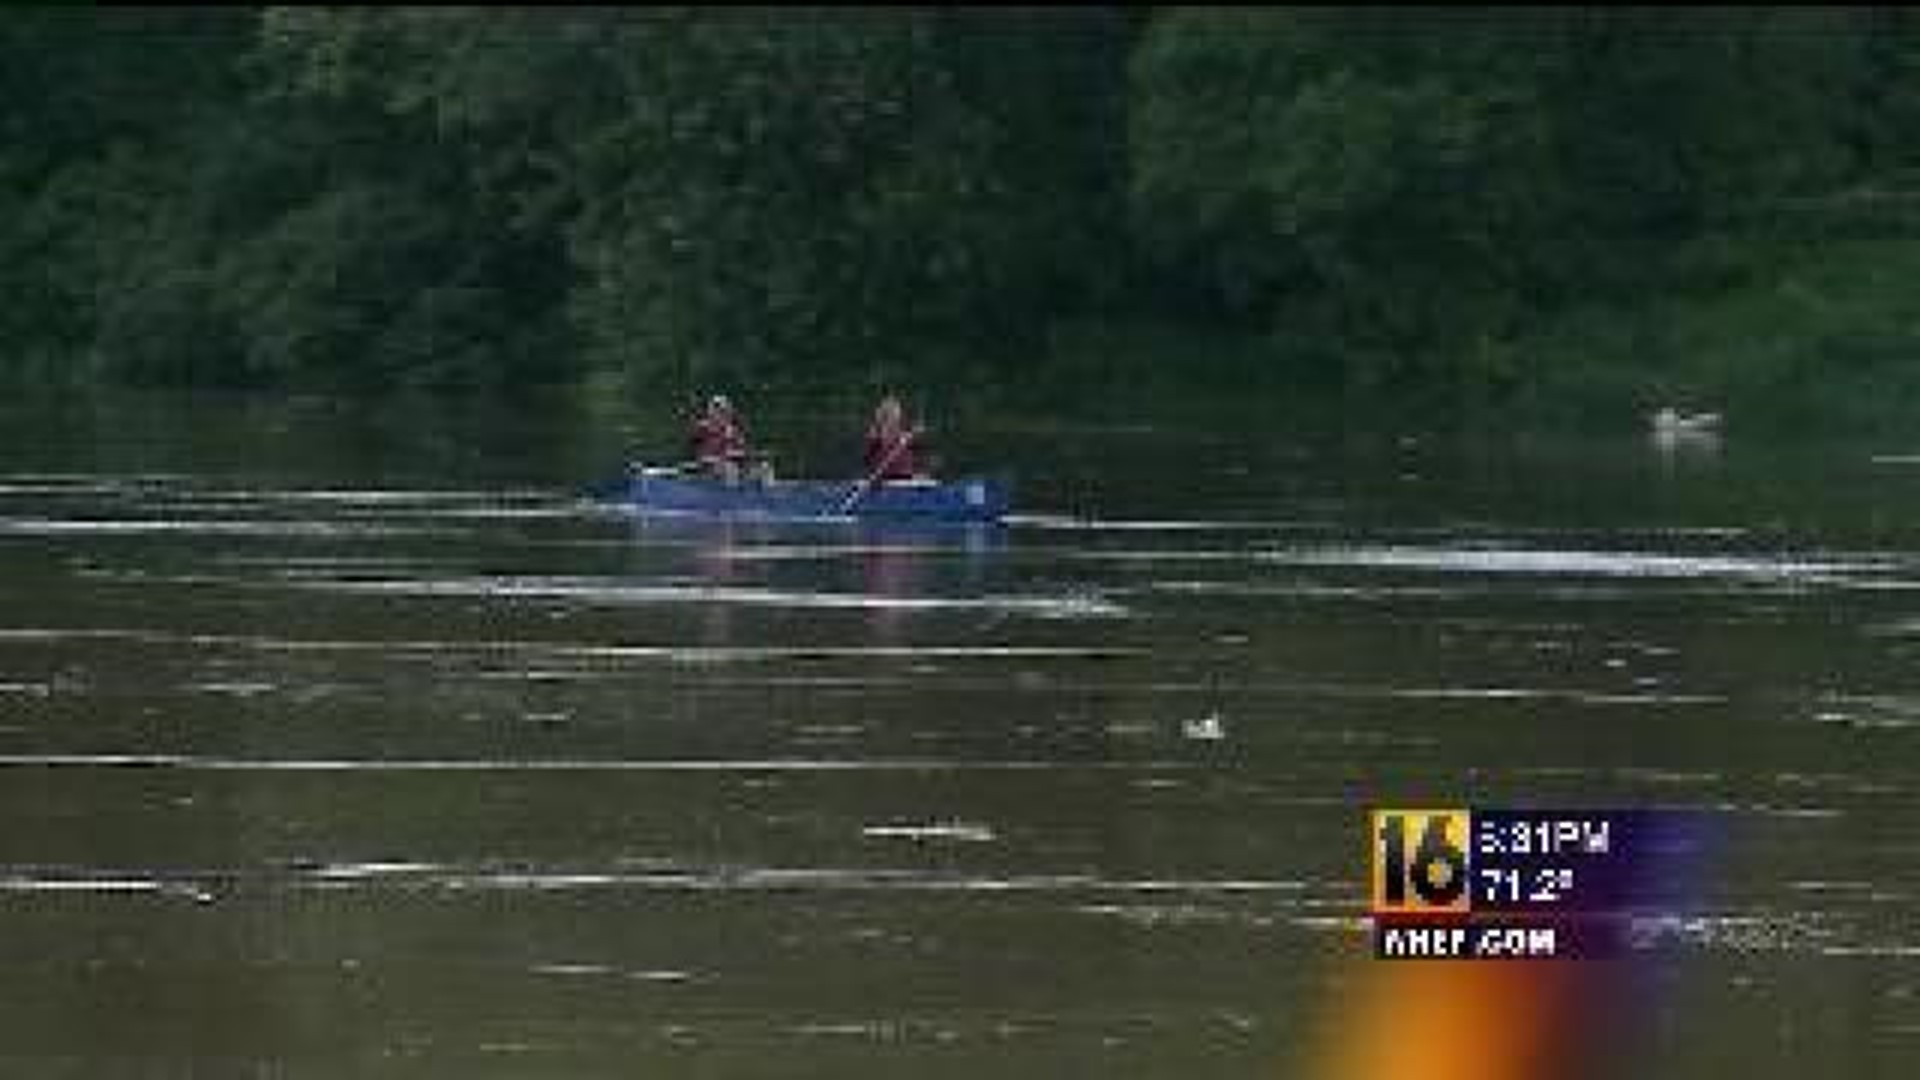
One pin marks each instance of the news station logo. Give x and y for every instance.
(1420, 864)
(1469, 883)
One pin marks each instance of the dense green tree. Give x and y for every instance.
(743, 190)
(1412, 180)
(464, 196)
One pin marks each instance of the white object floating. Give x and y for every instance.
(1672, 422)
(960, 831)
(1208, 728)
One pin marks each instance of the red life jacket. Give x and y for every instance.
(712, 438)
(896, 452)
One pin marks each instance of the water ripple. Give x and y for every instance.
(41, 526)
(193, 762)
(599, 591)
(1586, 563)
(688, 654)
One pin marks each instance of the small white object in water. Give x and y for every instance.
(1208, 728)
(1671, 421)
(961, 831)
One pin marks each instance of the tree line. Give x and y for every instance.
(489, 197)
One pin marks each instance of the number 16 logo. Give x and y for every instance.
(1434, 879)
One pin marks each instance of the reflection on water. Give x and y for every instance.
(422, 764)
(888, 568)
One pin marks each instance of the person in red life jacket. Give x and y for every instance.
(718, 443)
(895, 451)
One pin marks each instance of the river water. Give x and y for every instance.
(344, 740)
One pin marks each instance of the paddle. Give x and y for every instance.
(860, 490)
